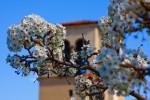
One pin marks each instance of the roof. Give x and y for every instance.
(82, 22)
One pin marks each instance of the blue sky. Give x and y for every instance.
(14, 87)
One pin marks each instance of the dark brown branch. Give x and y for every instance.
(34, 69)
(90, 97)
(145, 69)
(134, 67)
(91, 69)
(36, 42)
(137, 96)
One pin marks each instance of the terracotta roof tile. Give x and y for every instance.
(82, 22)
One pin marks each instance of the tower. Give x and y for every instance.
(55, 88)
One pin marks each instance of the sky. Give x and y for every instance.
(16, 87)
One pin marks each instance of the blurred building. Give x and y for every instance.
(55, 88)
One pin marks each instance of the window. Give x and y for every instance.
(79, 44)
(67, 50)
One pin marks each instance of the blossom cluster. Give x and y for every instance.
(117, 63)
(86, 51)
(109, 37)
(40, 38)
(129, 15)
(35, 31)
(117, 77)
(85, 85)
(16, 63)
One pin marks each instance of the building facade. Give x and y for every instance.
(55, 88)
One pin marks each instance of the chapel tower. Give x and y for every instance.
(55, 88)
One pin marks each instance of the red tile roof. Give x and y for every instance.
(82, 22)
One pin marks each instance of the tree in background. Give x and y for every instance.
(115, 68)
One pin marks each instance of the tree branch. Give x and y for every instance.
(145, 69)
(137, 96)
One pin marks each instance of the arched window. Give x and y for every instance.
(79, 44)
(67, 50)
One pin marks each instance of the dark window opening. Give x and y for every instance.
(70, 93)
(67, 50)
(79, 44)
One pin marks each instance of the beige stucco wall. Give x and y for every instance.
(75, 32)
(55, 88)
